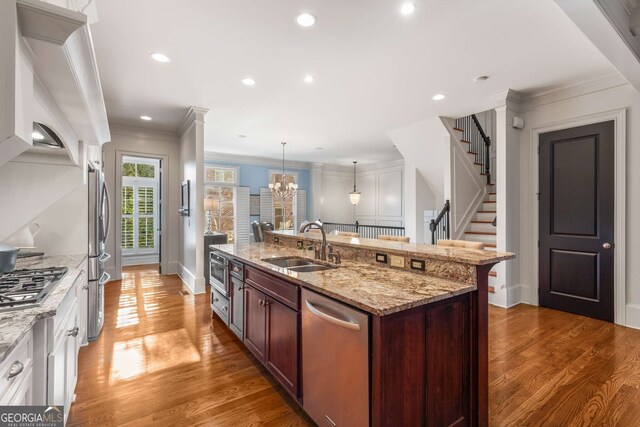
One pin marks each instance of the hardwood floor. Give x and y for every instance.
(159, 362)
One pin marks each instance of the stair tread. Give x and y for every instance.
(461, 130)
(471, 152)
(487, 212)
(489, 201)
(464, 140)
(480, 221)
(493, 274)
(490, 245)
(488, 233)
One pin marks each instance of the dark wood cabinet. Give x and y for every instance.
(282, 344)
(271, 332)
(255, 325)
(236, 319)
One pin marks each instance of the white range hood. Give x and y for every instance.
(50, 75)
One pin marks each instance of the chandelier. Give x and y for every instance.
(354, 196)
(282, 189)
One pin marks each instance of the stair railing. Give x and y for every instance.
(439, 226)
(479, 142)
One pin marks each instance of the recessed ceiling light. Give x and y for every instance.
(438, 97)
(481, 79)
(306, 19)
(145, 118)
(160, 57)
(37, 136)
(319, 148)
(308, 78)
(248, 81)
(242, 136)
(408, 8)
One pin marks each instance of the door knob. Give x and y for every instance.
(607, 245)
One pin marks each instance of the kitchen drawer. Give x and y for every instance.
(236, 269)
(20, 356)
(286, 293)
(68, 302)
(220, 305)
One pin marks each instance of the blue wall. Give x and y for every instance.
(257, 176)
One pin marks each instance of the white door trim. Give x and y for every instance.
(619, 118)
(164, 254)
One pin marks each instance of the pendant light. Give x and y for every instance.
(282, 189)
(355, 194)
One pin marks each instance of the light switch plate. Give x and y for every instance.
(417, 264)
(397, 261)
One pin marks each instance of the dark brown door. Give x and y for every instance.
(282, 344)
(576, 220)
(255, 322)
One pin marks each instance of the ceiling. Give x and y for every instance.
(375, 70)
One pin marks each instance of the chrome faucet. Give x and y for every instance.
(323, 248)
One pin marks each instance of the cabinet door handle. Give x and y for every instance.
(240, 288)
(216, 300)
(16, 369)
(225, 308)
(73, 332)
(261, 302)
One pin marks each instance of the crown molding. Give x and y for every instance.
(533, 100)
(508, 98)
(146, 134)
(212, 156)
(194, 115)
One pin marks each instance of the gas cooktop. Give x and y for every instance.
(20, 289)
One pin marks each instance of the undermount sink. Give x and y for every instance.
(300, 265)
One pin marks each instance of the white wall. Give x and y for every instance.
(425, 148)
(143, 142)
(29, 189)
(381, 185)
(555, 108)
(191, 250)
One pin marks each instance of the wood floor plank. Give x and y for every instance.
(161, 360)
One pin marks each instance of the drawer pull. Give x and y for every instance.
(16, 369)
(225, 308)
(73, 332)
(216, 300)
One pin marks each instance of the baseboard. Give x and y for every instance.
(515, 293)
(187, 277)
(173, 267)
(633, 316)
(194, 284)
(128, 260)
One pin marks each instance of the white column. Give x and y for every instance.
(507, 140)
(316, 192)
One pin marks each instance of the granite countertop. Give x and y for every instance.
(376, 290)
(16, 323)
(421, 250)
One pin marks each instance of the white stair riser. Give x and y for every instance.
(485, 216)
(486, 238)
(491, 197)
(488, 206)
(472, 157)
(483, 227)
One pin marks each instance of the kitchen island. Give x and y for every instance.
(426, 334)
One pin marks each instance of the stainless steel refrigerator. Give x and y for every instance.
(99, 219)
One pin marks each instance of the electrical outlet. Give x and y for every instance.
(381, 258)
(397, 261)
(276, 239)
(417, 264)
(300, 244)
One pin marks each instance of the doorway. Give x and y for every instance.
(576, 220)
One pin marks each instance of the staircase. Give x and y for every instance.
(481, 228)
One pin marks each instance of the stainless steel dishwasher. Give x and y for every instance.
(335, 362)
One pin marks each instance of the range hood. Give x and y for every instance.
(45, 138)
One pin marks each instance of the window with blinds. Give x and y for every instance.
(139, 206)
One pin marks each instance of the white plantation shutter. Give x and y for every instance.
(301, 207)
(266, 205)
(241, 214)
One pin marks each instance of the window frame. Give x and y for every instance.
(234, 169)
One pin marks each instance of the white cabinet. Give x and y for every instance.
(62, 359)
(82, 295)
(16, 374)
